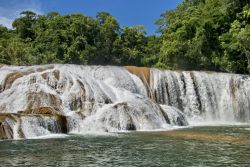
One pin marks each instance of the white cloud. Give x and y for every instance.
(10, 9)
(6, 22)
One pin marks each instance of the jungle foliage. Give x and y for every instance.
(197, 35)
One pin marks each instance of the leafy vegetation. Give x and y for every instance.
(207, 34)
(197, 35)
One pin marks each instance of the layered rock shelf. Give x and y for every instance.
(49, 99)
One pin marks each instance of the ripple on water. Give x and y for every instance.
(199, 146)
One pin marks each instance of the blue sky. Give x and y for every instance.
(128, 12)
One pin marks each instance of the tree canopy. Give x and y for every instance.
(197, 35)
(206, 35)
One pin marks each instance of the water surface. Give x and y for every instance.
(197, 146)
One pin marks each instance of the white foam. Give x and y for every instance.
(50, 136)
(95, 133)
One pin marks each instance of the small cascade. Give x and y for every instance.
(134, 114)
(48, 99)
(176, 117)
(17, 126)
(41, 125)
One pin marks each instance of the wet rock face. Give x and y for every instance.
(14, 126)
(6, 126)
(39, 99)
(10, 78)
(41, 110)
(142, 72)
(131, 126)
(4, 131)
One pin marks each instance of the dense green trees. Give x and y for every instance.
(197, 35)
(206, 34)
(78, 39)
(236, 44)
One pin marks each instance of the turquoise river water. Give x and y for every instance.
(195, 146)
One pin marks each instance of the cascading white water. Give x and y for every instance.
(204, 96)
(39, 125)
(109, 98)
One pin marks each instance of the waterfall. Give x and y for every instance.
(48, 99)
(40, 125)
(204, 96)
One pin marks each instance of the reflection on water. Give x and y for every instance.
(199, 146)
